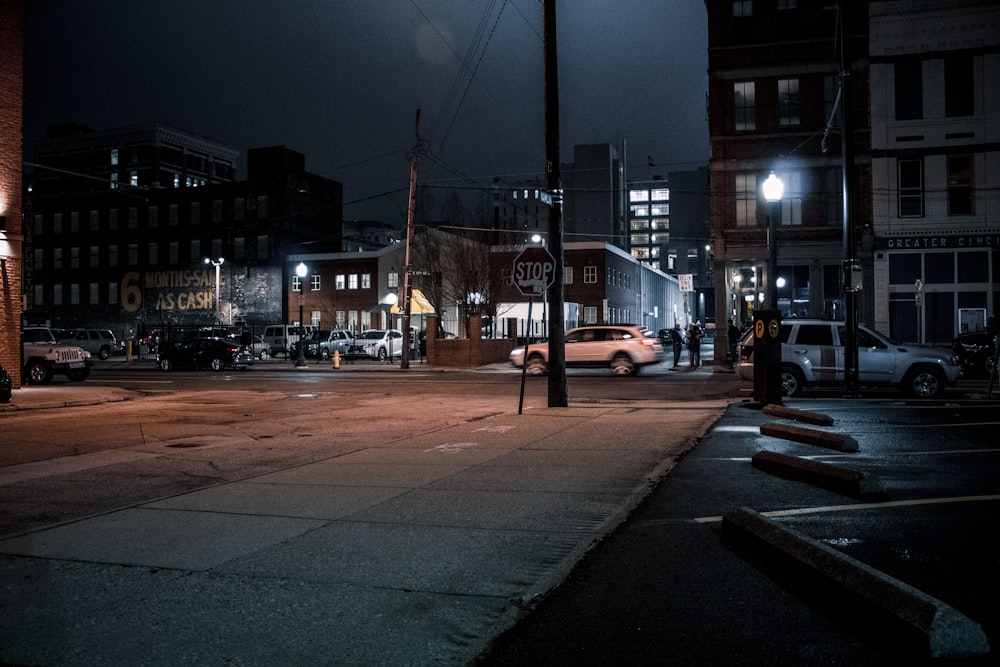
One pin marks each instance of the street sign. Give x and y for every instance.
(534, 271)
(686, 282)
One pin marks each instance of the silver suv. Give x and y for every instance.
(101, 343)
(812, 354)
(621, 347)
(44, 357)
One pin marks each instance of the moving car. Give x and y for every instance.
(812, 354)
(976, 352)
(380, 344)
(216, 354)
(622, 348)
(44, 357)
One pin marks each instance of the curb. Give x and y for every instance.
(842, 480)
(809, 436)
(942, 631)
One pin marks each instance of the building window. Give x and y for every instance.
(745, 101)
(567, 275)
(133, 217)
(95, 256)
(195, 214)
(153, 254)
(959, 94)
(57, 254)
(112, 293)
(590, 315)
(194, 251)
(112, 255)
(74, 222)
(392, 280)
(908, 79)
(74, 294)
(911, 188)
(133, 178)
(661, 194)
(114, 157)
(340, 281)
(133, 254)
(659, 209)
(791, 202)
(352, 281)
(640, 239)
(589, 274)
(173, 252)
(57, 223)
(638, 195)
(960, 185)
(742, 8)
(640, 211)
(296, 283)
(788, 103)
(216, 211)
(239, 208)
(746, 200)
(366, 281)
(314, 283)
(39, 258)
(94, 294)
(113, 219)
(239, 248)
(263, 248)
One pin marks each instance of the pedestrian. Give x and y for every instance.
(734, 337)
(694, 343)
(677, 340)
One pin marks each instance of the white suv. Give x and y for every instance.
(623, 348)
(812, 353)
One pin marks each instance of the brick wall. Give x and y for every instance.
(466, 352)
(11, 121)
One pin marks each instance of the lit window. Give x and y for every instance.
(662, 194)
(314, 285)
(638, 195)
(340, 281)
(590, 274)
(352, 281)
(114, 157)
(392, 280)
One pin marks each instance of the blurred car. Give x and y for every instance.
(812, 354)
(380, 344)
(257, 348)
(216, 354)
(976, 352)
(101, 343)
(622, 348)
(6, 384)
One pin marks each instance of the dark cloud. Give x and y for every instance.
(341, 80)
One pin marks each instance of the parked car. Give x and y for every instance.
(280, 338)
(812, 354)
(976, 352)
(321, 344)
(216, 354)
(101, 343)
(6, 385)
(622, 348)
(43, 357)
(380, 344)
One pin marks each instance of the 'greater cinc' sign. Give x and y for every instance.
(534, 271)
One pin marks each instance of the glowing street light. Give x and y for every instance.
(773, 190)
(217, 263)
(301, 270)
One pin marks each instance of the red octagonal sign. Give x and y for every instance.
(534, 271)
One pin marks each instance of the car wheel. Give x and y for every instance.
(536, 366)
(218, 364)
(37, 373)
(166, 365)
(382, 354)
(264, 356)
(78, 376)
(104, 354)
(324, 354)
(926, 382)
(622, 365)
(792, 381)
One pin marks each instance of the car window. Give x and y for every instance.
(814, 334)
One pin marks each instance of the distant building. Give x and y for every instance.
(594, 205)
(935, 167)
(125, 225)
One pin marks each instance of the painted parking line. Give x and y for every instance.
(864, 506)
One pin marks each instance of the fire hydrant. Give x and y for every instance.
(336, 359)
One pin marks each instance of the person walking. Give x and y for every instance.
(677, 340)
(694, 343)
(734, 338)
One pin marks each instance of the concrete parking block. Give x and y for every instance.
(940, 630)
(811, 436)
(842, 480)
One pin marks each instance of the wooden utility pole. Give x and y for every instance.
(407, 269)
(558, 397)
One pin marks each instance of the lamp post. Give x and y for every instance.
(301, 270)
(217, 263)
(767, 322)
(773, 190)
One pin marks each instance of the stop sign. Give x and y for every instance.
(534, 271)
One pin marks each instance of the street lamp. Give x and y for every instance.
(301, 270)
(773, 189)
(767, 321)
(217, 263)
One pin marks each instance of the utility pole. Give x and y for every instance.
(558, 397)
(851, 379)
(408, 270)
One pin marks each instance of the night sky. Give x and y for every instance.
(340, 81)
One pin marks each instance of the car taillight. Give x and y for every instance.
(649, 341)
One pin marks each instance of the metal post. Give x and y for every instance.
(301, 271)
